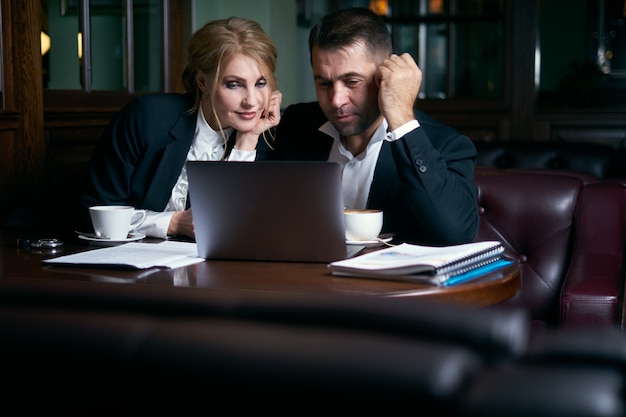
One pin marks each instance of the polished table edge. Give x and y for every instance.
(269, 277)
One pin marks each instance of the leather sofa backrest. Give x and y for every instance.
(534, 216)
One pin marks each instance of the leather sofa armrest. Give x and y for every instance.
(591, 293)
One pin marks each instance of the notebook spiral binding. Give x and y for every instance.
(473, 261)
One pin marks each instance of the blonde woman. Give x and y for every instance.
(231, 102)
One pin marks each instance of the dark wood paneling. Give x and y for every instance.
(68, 154)
(180, 21)
(30, 151)
(605, 126)
(478, 126)
(21, 117)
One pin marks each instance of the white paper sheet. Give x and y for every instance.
(136, 255)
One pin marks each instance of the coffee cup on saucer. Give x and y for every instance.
(362, 224)
(115, 222)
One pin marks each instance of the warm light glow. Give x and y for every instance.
(80, 45)
(45, 43)
(435, 6)
(379, 7)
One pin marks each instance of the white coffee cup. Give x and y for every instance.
(115, 222)
(362, 225)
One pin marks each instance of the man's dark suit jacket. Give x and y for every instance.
(423, 182)
(142, 152)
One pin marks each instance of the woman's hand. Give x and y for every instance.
(247, 141)
(272, 115)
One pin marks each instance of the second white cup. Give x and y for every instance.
(362, 225)
(115, 222)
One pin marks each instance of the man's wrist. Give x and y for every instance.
(402, 130)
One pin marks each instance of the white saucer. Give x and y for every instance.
(369, 243)
(107, 242)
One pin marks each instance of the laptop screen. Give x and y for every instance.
(267, 210)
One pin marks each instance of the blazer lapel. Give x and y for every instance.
(172, 161)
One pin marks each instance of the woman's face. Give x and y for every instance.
(241, 95)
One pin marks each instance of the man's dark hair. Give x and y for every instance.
(349, 26)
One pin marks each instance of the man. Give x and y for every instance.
(418, 171)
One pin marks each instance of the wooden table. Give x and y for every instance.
(24, 268)
(169, 342)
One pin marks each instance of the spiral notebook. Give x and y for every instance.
(428, 264)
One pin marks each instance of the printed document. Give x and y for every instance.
(135, 255)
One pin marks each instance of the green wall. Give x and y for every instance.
(64, 69)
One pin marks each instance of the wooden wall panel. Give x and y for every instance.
(69, 150)
(7, 167)
(21, 115)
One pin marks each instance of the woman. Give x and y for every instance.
(231, 100)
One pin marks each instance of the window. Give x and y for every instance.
(105, 45)
(584, 67)
(458, 44)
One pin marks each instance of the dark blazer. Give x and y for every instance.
(142, 152)
(423, 182)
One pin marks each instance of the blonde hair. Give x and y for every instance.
(213, 46)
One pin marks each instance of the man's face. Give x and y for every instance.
(346, 88)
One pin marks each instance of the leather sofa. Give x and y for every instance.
(546, 379)
(599, 160)
(79, 349)
(567, 231)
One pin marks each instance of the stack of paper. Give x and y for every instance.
(135, 255)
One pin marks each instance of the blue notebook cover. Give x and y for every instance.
(476, 273)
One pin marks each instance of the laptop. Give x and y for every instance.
(267, 210)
